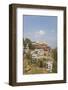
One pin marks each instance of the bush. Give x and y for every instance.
(54, 70)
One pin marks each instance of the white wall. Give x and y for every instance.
(4, 47)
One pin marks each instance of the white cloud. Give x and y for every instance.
(40, 32)
(37, 35)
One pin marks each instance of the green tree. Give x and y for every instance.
(29, 42)
(54, 56)
(24, 43)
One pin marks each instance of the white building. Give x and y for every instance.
(39, 54)
(49, 64)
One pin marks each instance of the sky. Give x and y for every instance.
(41, 28)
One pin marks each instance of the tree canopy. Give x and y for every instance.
(29, 42)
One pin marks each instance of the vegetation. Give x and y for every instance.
(39, 66)
(29, 42)
(54, 55)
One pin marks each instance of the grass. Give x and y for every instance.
(30, 68)
(34, 68)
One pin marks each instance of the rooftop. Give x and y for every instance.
(40, 42)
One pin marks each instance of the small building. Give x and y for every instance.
(41, 52)
(47, 61)
(36, 54)
(48, 64)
